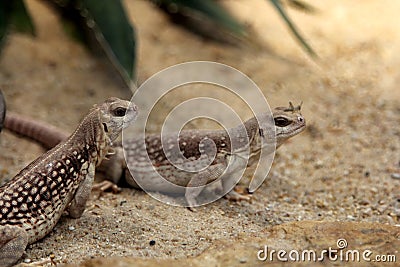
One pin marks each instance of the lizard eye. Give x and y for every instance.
(119, 112)
(281, 121)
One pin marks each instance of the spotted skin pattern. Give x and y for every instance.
(288, 122)
(61, 179)
(230, 154)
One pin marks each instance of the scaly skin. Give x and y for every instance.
(288, 123)
(235, 149)
(61, 179)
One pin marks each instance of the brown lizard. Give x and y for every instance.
(288, 122)
(61, 179)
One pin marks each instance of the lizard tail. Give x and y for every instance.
(43, 133)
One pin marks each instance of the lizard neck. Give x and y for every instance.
(245, 136)
(253, 132)
(90, 135)
(258, 136)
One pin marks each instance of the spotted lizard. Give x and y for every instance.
(288, 122)
(33, 201)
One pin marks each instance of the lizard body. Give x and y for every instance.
(288, 122)
(231, 154)
(61, 179)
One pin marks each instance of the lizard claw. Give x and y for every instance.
(235, 196)
(192, 209)
(106, 185)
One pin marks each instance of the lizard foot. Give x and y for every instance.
(235, 196)
(39, 263)
(106, 185)
(13, 241)
(192, 209)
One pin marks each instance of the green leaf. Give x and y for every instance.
(4, 22)
(14, 13)
(206, 13)
(302, 6)
(20, 18)
(293, 29)
(114, 32)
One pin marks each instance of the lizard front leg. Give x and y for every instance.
(229, 180)
(82, 194)
(13, 241)
(110, 171)
(196, 183)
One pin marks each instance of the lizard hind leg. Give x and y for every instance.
(13, 241)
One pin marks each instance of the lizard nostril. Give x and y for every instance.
(300, 119)
(134, 107)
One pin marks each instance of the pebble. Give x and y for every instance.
(374, 190)
(350, 217)
(71, 228)
(243, 260)
(395, 175)
(319, 164)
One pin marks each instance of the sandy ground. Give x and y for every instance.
(343, 168)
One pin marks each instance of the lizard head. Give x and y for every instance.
(288, 122)
(116, 114)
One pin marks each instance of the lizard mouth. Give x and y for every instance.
(296, 130)
(130, 116)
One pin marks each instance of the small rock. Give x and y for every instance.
(243, 260)
(395, 212)
(367, 211)
(395, 175)
(319, 164)
(71, 228)
(321, 203)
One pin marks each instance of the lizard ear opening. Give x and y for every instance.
(261, 132)
(105, 127)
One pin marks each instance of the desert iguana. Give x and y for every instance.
(288, 122)
(61, 179)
